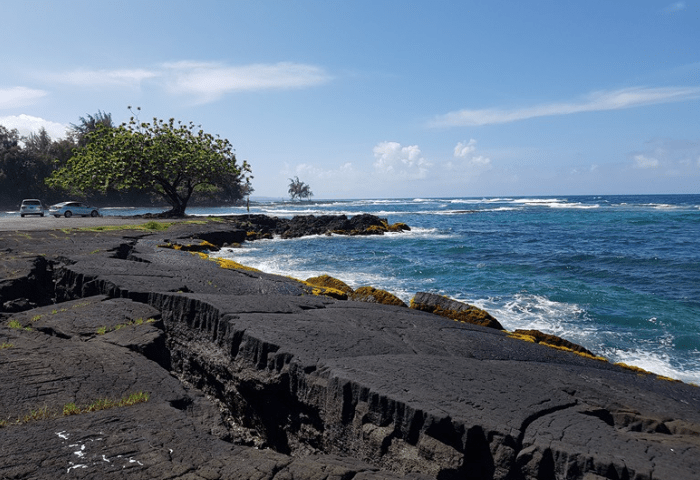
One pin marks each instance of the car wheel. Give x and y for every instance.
(57, 216)
(68, 214)
(41, 214)
(94, 213)
(21, 215)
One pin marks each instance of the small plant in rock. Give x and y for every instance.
(15, 324)
(5, 345)
(70, 409)
(40, 414)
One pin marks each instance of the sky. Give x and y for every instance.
(381, 98)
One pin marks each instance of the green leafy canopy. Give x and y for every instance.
(170, 159)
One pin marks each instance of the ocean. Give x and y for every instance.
(619, 275)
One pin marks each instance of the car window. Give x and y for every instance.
(31, 202)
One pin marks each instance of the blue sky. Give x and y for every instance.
(383, 99)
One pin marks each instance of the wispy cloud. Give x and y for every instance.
(644, 162)
(19, 96)
(675, 7)
(105, 78)
(206, 81)
(597, 101)
(209, 81)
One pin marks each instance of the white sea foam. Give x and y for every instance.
(533, 312)
(570, 321)
(656, 362)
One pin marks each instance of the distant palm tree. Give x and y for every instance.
(299, 189)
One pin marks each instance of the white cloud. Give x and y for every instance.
(462, 150)
(402, 162)
(132, 78)
(209, 81)
(597, 101)
(26, 124)
(642, 161)
(19, 96)
(465, 150)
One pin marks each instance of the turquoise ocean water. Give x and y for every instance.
(619, 275)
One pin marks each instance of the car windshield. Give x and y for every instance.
(31, 202)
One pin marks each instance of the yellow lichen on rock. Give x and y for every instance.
(632, 368)
(520, 336)
(330, 282)
(316, 289)
(454, 310)
(199, 247)
(398, 227)
(552, 341)
(230, 264)
(375, 229)
(375, 295)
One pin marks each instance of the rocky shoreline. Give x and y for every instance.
(133, 353)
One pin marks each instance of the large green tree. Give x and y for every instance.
(168, 158)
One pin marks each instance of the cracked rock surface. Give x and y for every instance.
(251, 376)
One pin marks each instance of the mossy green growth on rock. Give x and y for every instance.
(458, 311)
(330, 282)
(375, 295)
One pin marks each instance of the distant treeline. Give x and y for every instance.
(26, 161)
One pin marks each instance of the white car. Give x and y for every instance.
(31, 206)
(68, 209)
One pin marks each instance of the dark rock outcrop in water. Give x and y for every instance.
(253, 227)
(249, 376)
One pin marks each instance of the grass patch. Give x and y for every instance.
(18, 326)
(151, 225)
(73, 409)
(5, 345)
(138, 321)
